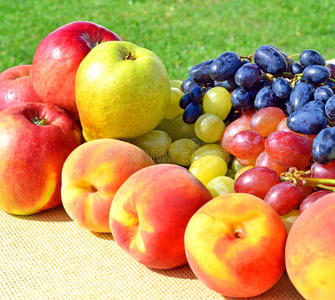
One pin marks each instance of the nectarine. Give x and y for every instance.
(310, 250)
(92, 174)
(150, 212)
(235, 245)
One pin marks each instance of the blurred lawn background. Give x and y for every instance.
(182, 33)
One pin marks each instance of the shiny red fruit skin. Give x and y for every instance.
(310, 199)
(283, 197)
(288, 149)
(323, 171)
(256, 181)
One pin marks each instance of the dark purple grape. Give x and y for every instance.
(301, 94)
(288, 108)
(331, 68)
(330, 84)
(248, 75)
(266, 98)
(242, 99)
(289, 61)
(315, 104)
(187, 85)
(307, 121)
(330, 108)
(262, 83)
(206, 88)
(270, 60)
(233, 115)
(323, 93)
(185, 100)
(311, 57)
(281, 88)
(316, 74)
(200, 72)
(323, 150)
(224, 66)
(297, 68)
(192, 112)
(197, 94)
(245, 61)
(228, 84)
(253, 92)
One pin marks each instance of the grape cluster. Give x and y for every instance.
(239, 123)
(302, 89)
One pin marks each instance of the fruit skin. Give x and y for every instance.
(91, 176)
(32, 156)
(235, 245)
(57, 59)
(150, 212)
(310, 250)
(129, 87)
(16, 86)
(248, 181)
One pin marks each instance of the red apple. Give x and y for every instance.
(57, 59)
(16, 86)
(35, 140)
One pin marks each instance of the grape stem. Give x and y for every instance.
(293, 175)
(293, 55)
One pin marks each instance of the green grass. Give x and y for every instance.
(182, 33)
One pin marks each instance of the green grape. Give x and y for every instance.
(208, 167)
(155, 142)
(217, 101)
(178, 129)
(230, 174)
(209, 149)
(209, 128)
(176, 83)
(162, 125)
(174, 108)
(221, 185)
(181, 151)
(235, 165)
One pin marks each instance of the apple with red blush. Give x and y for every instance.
(35, 140)
(16, 86)
(58, 57)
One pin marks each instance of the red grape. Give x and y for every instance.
(288, 149)
(264, 160)
(256, 181)
(247, 144)
(305, 190)
(311, 198)
(243, 123)
(323, 171)
(266, 120)
(246, 162)
(283, 197)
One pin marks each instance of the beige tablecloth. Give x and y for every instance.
(48, 256)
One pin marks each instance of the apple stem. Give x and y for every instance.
(40, 122)
(293, 175)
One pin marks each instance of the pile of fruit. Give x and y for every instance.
(230, 170)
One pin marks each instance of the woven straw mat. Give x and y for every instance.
(48, 256)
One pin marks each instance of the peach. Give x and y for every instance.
(235, 245)
(310, 250)
(91, 176)
(151, 210)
